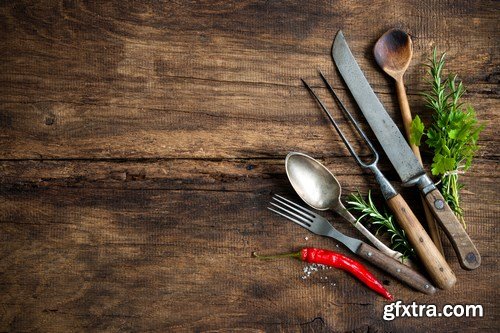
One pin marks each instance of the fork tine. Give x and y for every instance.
(290, 212)
(334, 123)
(349, 115)
(296, 207)
(302, 224)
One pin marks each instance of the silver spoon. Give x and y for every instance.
(319, 188)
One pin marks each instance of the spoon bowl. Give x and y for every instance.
(312, 181)
(319, 188)
(393, 52)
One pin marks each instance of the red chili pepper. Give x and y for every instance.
(337, 260)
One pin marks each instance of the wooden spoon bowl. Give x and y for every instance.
(393, 52)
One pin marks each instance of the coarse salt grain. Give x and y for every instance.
(309, 269)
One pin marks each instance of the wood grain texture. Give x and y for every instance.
(434, 262)
(464, 247)
(140, 143)
(395, 268)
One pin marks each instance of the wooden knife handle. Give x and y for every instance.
(396, 269)
(467, 253)
(426, 250)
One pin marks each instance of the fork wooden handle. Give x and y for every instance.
(426, 250)
(401, 272)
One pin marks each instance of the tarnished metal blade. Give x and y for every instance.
(388, 134)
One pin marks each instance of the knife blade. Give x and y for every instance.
(399, 152)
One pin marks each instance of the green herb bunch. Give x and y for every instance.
(383, 221)
(453, 133)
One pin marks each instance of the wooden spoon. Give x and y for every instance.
(393, 52)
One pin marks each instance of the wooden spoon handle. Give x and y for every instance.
(431, 258)
(467, 253)
(401, 272)
(406, 115)
(405, 109)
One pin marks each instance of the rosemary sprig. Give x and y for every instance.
(453, 134)
(383, 221)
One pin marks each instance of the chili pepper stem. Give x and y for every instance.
(283, 255)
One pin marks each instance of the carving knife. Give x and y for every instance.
(400, 154)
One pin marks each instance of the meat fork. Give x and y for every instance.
(320, 226)
(387, 190)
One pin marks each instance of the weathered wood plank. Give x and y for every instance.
(188, 34)
(125, 85)
(198, 174)
(61, 130)
(140, 144)
(142, 259)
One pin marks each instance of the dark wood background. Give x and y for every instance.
(141, 141)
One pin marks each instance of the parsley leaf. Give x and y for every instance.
(442, 164)
(416, 131)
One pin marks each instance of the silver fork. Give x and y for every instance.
(320, 226)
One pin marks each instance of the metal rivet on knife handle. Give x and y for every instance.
(439, 204)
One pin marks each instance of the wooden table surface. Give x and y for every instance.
(140, 143)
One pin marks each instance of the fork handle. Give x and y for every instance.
(398, 270)
(434, 262)
(378, 244)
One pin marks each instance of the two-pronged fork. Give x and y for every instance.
(320, 226)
